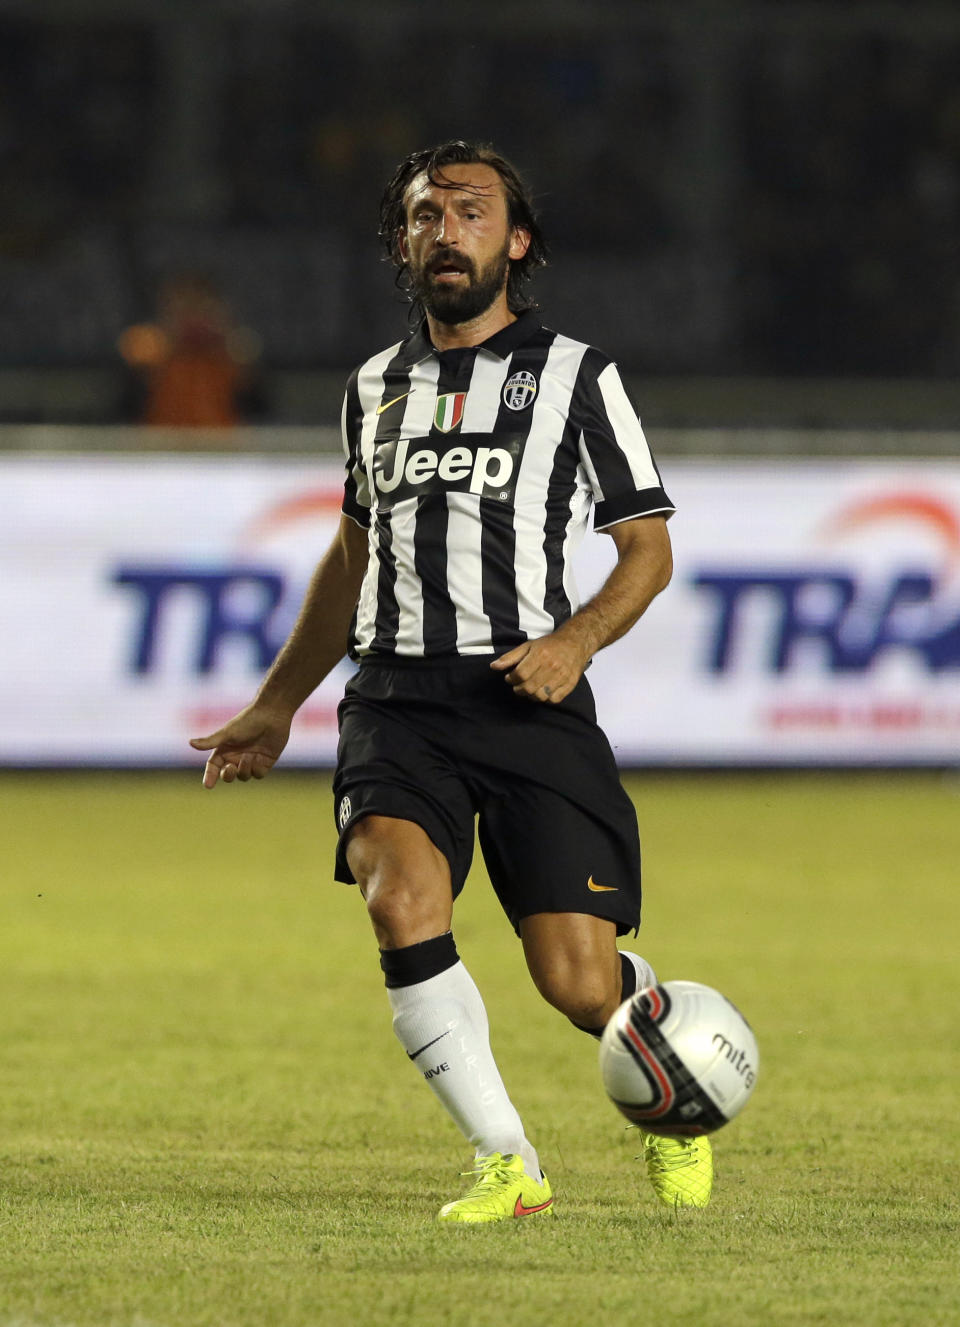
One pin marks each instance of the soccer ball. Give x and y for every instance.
(678, 1059)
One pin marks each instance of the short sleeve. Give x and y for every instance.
(356, 487)
(613, 448)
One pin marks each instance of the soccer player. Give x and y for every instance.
(474, 451)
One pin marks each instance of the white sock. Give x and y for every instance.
(645, 973)
(442, 1025)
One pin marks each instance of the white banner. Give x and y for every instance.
(814, 615)
(813, 618)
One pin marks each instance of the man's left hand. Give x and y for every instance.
(544, 670)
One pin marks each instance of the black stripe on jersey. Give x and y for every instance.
(433, 523)
(498, 537)
(648, 502)
(430, 564)
(396, 385)
(353, 422)
(393, 399)
(589, 412)
(387, 621)
(560, 491)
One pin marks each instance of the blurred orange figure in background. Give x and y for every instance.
(195, 367)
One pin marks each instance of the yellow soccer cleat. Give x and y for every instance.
(680, 1169)
(503, 1190)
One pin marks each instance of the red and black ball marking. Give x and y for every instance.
(678, 1103)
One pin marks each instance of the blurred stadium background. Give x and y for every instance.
(754, 206)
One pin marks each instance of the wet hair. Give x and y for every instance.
(520, 211)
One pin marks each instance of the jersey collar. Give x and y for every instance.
(502, 344)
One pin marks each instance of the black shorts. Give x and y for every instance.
(439, 742)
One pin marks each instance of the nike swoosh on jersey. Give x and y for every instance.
(601, 889)
(402, 397)
(428, 1045)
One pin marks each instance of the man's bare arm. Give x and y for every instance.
(549, 668)
(249, 745)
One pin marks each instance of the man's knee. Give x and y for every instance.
(575, 964)
(404, 879)
(586, 998)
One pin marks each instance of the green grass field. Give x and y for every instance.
(206, 1121)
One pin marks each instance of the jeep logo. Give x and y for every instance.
(481, 463)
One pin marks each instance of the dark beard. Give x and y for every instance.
(462, 305)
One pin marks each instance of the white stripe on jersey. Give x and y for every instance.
(367, 603)
(465, 531)
(593, 479)
(552, 403)
(627, 427)
(408, 589)
(369, 387)
(422, 402)
(463, 559)
(417, 420)
(418, 408)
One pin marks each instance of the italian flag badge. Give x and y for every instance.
(449, 411)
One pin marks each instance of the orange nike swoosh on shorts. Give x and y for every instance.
(520, 1210)
(600, 889)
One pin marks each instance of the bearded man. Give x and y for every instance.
(475, 450)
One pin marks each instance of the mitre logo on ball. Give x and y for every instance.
(679, 1059)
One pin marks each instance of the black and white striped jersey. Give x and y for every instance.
(475, 471)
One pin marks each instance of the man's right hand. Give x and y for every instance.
(245, 748)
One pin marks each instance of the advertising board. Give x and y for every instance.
(813, 618)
